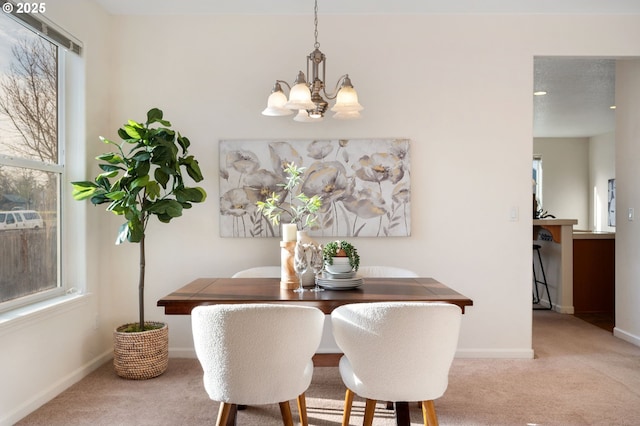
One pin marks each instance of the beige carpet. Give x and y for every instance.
(582, 375)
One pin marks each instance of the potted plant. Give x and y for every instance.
(143, 177)
(341, 253)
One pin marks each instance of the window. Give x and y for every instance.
(31, 160)
(537, 182)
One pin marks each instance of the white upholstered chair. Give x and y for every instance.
(382, 361)
(256, 354)
(259, 272)
(385, 271)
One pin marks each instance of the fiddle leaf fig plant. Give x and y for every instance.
(143, 177)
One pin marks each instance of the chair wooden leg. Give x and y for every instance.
(302, 410)
(429, 413)
(348, 401)
(369, 410)
(223, 414)
(285, 411)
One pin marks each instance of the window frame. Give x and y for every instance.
(66, 273)
(537, 186)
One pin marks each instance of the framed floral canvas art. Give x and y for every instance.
(364, 185)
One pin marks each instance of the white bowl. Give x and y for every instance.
(340, 265)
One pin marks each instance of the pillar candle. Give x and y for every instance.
(289, 232)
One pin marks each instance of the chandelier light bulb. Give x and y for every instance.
(304, 117)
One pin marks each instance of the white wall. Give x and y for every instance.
(460, 87)
(628, 196)
(602, 167)
(43, 354)
(565, 177)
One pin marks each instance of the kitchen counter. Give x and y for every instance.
(593, 235)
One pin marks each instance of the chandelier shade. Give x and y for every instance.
(347, 99)
(276, 103)
(300, 95)
(306, 96)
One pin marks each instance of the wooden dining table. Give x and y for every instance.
(211, 291)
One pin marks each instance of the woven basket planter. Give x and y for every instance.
(141, 355)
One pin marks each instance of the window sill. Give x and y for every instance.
(15, 319)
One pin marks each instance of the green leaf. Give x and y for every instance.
(99, 198)
(116, 195)
(110, 167)
(194, 195)
(107, 141)
(111, 158)
(153, 190)
(83, 190)
(155, 116)
(161, 176)
(193, 168)
(140, 182)
(136, 230)
(109, 174)
(142, 156)
(133, 129)
(184, 143)
(170, 208)
(123, 233)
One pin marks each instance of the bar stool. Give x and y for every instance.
(536, 281)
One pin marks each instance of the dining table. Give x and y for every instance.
(211, 291)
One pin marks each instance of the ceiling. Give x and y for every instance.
(377, 7)
(580, 90)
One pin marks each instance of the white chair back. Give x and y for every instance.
(255, 354)
(397, 351)
(259, 272)
(385, 271)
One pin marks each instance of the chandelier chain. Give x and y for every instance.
(315, 23)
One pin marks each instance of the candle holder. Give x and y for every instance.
(288, 277)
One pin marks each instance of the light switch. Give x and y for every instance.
(631, 214)
(514, 214)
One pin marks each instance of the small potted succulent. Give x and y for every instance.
(340, 257)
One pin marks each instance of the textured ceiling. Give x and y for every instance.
(580, 92)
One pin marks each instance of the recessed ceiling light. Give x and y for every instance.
(612, 107)
(539, 93)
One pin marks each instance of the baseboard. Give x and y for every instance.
(54, 390)
(564, 309)
(626, 336)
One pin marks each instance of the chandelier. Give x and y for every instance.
(306, 97)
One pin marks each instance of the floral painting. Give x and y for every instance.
(364, 185)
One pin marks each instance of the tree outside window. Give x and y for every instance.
(30, 164)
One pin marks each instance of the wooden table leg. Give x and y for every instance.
(402, 414)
